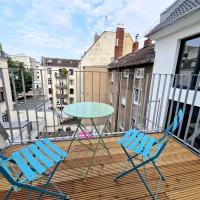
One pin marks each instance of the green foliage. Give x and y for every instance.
(63, 73)
(17, 67)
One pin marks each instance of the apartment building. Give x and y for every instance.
(5, 90)
(129, 83)
(62, 80)
(93, 65)
(177, 47)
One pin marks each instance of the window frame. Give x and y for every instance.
(178, 64)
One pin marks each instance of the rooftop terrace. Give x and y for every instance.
(179, 165)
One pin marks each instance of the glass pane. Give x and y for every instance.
(188, 60)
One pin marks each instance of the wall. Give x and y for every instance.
(167, 44)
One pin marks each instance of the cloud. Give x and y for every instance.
(66, 27)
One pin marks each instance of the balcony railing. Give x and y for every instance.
(61, 86)
(61, 95)
(147, 103)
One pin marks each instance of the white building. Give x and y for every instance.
(61, 89)
(177, 47)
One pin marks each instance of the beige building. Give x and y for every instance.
(93, 75)
(129, 88)
(62, 80)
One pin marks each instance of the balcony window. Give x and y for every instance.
(49, 70)
(139, 73)
(50, 91)
(71, 71)
(49, 81)
(113, 77)
(188, 61)
(126, 73)
(136, 98)
(71, 91)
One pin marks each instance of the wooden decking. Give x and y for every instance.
(180, 166)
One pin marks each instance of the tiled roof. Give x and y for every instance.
(142, 56)
(60, 62)
(185, 8)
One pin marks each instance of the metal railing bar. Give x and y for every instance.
(155, 106)
(125, 109)
(45, 116)
(33, 90)
(172, 100)
(133, 87)
(7, 104)
(16, 102)
(25, 102)
(191, 108)
(185, 103)
(52, 102)
(150, 99)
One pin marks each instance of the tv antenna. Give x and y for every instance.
(106, 22)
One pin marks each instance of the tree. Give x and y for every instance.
(63, 73)
(17, 68)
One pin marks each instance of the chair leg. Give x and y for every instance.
(49, 179)
(158, 170)
(139, 174)
(8, 193)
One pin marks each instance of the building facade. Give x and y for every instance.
(61, 80)
(93, 65)
(129, 82)
(177, 47)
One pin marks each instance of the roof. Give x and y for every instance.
(181, 10)
(142, 56)
(60, 62)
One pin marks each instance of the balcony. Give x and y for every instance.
(61, 86)
(61, 96)
(147, 103)
(182, 175)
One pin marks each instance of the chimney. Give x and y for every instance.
(135, 44)
(147, 42)
(96, 37)
(119, 42)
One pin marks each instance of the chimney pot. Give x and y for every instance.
(147, 42)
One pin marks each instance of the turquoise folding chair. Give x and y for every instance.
(35, 161)
(148, 148)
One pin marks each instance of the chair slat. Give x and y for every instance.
(34, 162)
(148, 147)
(59, 151)
(4, 165)
(124, 138)
(49, 163)
(142, 144)
(136, 141)
(27, 171)
(47, 151)
(130, 139)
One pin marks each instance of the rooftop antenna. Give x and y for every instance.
(106, 22)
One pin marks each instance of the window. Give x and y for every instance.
(61, 91)
(71, 71)
(71, 82)
(188, 61)
(136, 98)
(126, 73)
(49, 81)
(50, 91)
(62, 101)
(1, 95)
(49, 70)
(113, 77)
(139, 73)
(123, 101)
(5, 117)
(38, 77)
(71, 91)
(71, 100)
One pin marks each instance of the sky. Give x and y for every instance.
(66, 28)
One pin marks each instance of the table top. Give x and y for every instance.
(88, 110)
